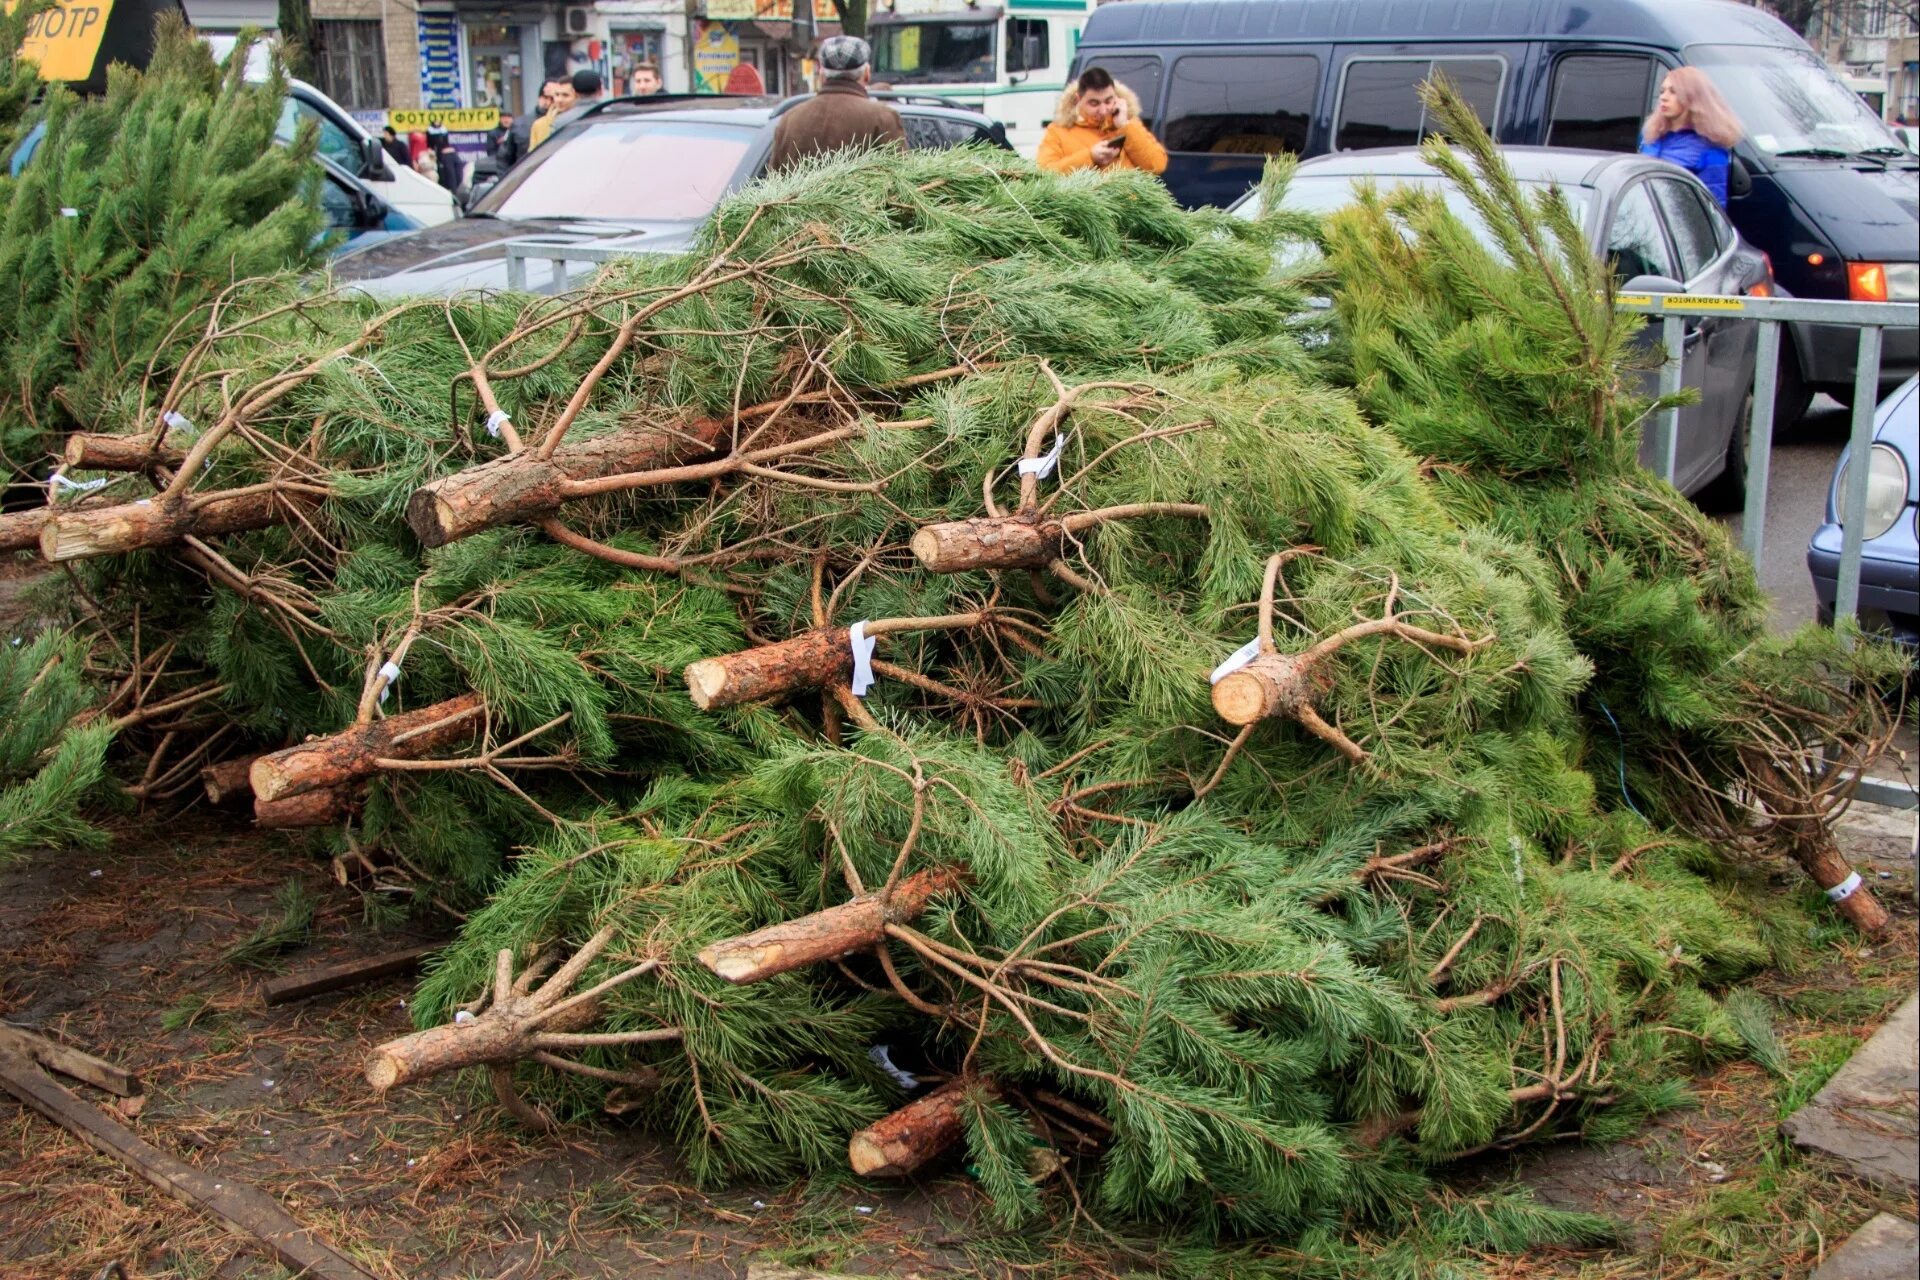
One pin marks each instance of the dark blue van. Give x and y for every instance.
(1820, 184)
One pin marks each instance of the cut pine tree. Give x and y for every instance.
(354, 754)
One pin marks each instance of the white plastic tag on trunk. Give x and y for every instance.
(1845, 889)
(496, 420)
(862, 645)
(59, 484)
(1237, 659)
(391, 674)
(1043, 466)
(883, 1060)
(177, 421)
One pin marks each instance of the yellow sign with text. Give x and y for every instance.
(452, 119)
(65, 39)
(1695, 302)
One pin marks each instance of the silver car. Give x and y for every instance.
(1665, 234)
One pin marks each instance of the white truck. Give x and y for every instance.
(1008, 59)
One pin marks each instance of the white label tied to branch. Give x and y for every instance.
(496, 420)
(177, 421)
(862, 645)
(389, 676)
(1237, 659)
(1043, 466)
(59, 484)
(1845, 889)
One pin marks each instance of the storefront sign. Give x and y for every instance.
(65, 39)
(452, 119)
(716, 52)
(767, 10)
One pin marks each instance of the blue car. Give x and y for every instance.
(1890, 568)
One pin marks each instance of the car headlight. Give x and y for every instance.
(1886, 489)
(1883, 281)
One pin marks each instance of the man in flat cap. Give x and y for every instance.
(841, 114)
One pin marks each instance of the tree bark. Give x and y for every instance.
(308, 809)
(523, 486)
(1274, 684)
(353, 754)
(989, 542)
(826, 935)
(157, 521)
(1816, 851)
(503, 1033)
(807, 661)
(20, 530)
(98, 451)
(897, 1144)
(227, 780)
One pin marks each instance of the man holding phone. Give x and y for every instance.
(1098, 127)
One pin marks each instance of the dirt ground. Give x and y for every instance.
(124, 953)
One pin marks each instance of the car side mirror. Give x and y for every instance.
(1653, 284)
(373, 161)
(1739, 179)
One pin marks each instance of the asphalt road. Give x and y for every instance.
(1803, 463)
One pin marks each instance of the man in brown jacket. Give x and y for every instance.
(841, 114)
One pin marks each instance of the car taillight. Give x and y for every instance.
(1760, 289)
(1867, 281)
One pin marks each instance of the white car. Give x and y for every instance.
(344, 142)
(422, 200)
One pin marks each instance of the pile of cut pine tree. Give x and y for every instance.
(972, 661)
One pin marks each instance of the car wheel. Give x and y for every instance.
(1791, 394)
(1728, 490)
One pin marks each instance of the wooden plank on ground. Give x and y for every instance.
(70, 1062)
(241, 1207)
(348, 973)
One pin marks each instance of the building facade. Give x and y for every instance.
(375, 55)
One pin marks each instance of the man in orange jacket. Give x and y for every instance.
(1098, 127)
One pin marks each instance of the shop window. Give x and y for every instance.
(1380, 100)
(350, 63)
(1027, 45)
(1245, 105)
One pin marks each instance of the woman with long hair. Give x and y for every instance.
(1692, 126)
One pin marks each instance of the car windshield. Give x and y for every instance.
(932, 52)
(1323, 195)
(1789, 102)
(624, 170)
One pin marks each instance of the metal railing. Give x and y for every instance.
(1871, 319)
(521, 252)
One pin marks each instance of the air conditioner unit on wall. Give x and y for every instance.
(579, 21)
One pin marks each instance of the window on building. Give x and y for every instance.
(1380, 101)
(350, 62)
(1027, 45)
(1600, 102)
(1247, 105)
(1140, 74)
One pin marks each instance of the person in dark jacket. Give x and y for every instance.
(396, 149)
(518, 140)
(449, 168)
(841, 114)
(1692, 126)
